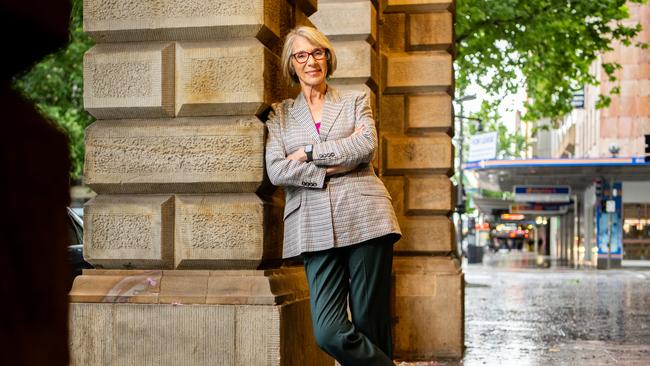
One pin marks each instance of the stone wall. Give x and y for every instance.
(184, 219)
(416, 126)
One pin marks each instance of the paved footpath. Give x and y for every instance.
(518, 315)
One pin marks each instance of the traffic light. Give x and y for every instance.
(647, 148)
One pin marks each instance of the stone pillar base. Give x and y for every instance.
(192, 318)
(428, 307)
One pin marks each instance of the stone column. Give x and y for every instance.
(412, 83)
(185, 233)
(352, 28)
(416, 42)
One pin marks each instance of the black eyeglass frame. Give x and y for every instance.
(311, 54)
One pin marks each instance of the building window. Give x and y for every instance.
(636, 230)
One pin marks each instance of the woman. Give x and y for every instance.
(338, 214)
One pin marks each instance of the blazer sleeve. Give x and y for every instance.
(352, 150)
(284, 172)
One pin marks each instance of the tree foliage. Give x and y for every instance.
(545, 47)
(55, 86)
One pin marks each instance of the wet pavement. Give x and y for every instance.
(523, 311)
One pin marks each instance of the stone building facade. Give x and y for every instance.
(186, 231)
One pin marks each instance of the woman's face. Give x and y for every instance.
(312, 72)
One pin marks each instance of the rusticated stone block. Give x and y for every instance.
(226, 78)
(416, 113)
(416, 6)
(430, 31)
(428, 308)
(129, 80)
(129, 231)
(417, 154)
(426, 195)
(224, 154)
(301, 19)
(127, 21)
(228, 335)
(417, 72)
(328, 20)
(425, 234)
(429, 113)
(357, 63)
(392, 114)
(306, 6)
(226, 231)
(393, 33)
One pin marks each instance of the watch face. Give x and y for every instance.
(308, 148)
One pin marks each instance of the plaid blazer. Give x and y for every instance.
(325, 212)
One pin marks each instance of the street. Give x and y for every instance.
(520, 314)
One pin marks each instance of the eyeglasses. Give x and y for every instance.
(317, 53)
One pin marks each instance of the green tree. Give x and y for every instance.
(544, 47)
(55, 86)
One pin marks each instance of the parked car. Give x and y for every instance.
(75, 247)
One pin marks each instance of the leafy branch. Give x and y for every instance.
(545, 47)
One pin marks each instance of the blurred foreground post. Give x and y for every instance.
(34, 184)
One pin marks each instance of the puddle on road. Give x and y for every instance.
(518, 314)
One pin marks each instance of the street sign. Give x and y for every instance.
(542, 209)
(578, 100)
(483, 147)
(538, 193)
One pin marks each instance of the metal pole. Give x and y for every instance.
(459, 196)
(610, 217)
(609, 240)
(574, 246)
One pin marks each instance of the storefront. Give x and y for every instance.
(589, 232)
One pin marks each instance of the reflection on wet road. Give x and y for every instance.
(555, 316)
(518, 315)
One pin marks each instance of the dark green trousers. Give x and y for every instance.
(361, 273)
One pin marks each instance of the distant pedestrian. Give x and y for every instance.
(338, 214)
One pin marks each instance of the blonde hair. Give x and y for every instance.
(314, 36)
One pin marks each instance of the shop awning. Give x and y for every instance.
(502, 175)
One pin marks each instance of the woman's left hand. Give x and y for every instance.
(298, 155)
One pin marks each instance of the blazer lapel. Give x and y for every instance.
(300, 111)
(331, 110)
